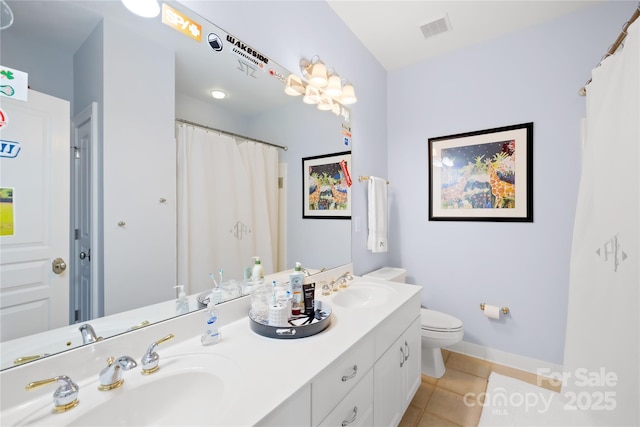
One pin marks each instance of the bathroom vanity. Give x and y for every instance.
(363, 369)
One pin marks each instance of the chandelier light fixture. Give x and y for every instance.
(321, 86)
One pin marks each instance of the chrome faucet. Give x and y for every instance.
(88, 334)
(111, 376)
(341, 281)
(65, 397)
(150, 359)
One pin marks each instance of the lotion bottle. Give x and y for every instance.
(295, 285)
(257, 273)
(211, 327)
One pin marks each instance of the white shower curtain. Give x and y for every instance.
(227, 206)
(603, 322)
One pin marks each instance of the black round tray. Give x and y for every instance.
(319, 324)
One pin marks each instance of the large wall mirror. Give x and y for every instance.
(142, 80)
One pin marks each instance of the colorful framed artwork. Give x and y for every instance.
(326, 186)
(485, 175)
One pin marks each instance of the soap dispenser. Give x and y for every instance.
(182, 303)
(257, 273)
(211, 328)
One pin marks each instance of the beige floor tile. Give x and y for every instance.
(468, 364)
(411, 416)
(461, 382)
(430, 420)
(451, 407)
(423, 395)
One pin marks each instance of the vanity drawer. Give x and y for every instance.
(356, 409)
(339, 378)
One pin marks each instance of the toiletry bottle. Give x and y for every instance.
(211, 327)
(295, 284)
(309, 296)
(257, 273)
(182, 303)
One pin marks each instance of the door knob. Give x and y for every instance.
(58, 265)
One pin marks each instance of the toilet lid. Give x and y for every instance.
(436, 321)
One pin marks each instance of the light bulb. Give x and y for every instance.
(294, 86)
(334, 86)
(311, 95)
(318, 75)
(218, 94)
(348, 95)
(325, 103)
(144, 8)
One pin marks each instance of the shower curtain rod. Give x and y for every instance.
(187, 122)
(616, 44)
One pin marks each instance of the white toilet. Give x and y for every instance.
(438, 329)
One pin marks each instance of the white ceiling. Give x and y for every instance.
(391, 29)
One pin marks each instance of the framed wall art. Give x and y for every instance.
(485, 175)
(326, 186)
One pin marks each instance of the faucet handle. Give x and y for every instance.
(66, 395)
(151, 358)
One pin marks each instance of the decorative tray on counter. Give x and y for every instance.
(299, 326)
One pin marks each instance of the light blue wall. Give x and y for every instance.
(529, 76)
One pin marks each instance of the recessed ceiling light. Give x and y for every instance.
(144, 8)
(218, 94)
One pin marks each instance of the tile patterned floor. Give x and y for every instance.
(441, 402)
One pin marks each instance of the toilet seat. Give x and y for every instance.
(436, 321)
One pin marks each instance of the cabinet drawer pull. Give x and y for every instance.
(406, 345)
(348, 377)
(352, 419)
(403, 358)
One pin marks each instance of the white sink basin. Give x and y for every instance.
(363, 295)
(188, 389)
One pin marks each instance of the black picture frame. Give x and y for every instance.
(326, 186)
(486, 175)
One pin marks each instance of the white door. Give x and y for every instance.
(35, 220)
(85, 303)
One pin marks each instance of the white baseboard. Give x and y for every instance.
(506, 359)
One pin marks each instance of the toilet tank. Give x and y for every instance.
(388, 273)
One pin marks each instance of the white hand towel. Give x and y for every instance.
(377, 241)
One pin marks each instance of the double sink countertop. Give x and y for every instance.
(255, 373)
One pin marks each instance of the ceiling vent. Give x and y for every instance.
(436, 26)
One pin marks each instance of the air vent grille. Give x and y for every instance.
(436, 26)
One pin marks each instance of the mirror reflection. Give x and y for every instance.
(163, 199)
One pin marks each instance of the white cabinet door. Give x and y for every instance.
(35, 215)
(388, 385)
(411, 374)
(397, 376)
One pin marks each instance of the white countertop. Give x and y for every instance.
(272, 370)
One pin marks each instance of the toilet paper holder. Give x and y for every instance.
(504, 310)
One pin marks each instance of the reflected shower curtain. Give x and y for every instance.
(603, 322)
(227, 206)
